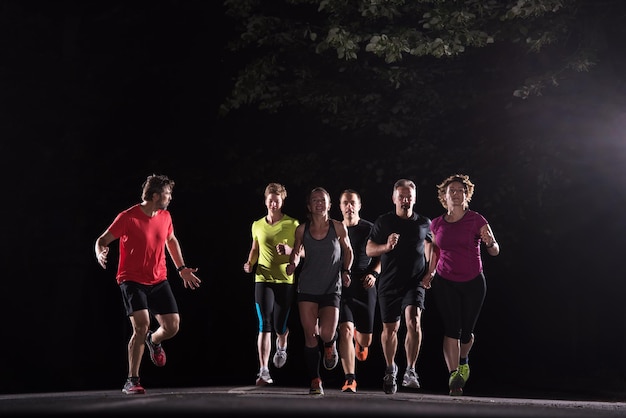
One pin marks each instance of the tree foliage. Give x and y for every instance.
(393, 66)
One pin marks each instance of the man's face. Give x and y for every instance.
(164, 198)
(404, 198)
(350, 205)
(273, 202)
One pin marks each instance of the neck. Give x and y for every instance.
(353, 221)
(319, 219)
(273, 217)
(405, 213)
(149, 209)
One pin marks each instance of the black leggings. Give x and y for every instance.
(459, 304)
(273, 303)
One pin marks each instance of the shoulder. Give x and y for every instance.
(131, 210)
(289, 220)
(366, 223)
(385, 217)
(340, 228)
(475, 215)
(436, 221)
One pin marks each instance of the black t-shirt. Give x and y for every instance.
(404, 266)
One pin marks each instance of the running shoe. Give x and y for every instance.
(280, 356)
(456, 383)
(264, 378)
(410, 379)
(390, 386)
(157, 354)
(331, 357)
(316, 387)
(349, 386)
(360, 351)
(133, 387)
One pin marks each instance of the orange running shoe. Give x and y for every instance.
(349, 386)
(360, 351)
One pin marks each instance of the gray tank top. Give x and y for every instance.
(321, 270)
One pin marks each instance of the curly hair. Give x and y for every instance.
(461, 178)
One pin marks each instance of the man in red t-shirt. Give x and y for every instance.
(144, 231)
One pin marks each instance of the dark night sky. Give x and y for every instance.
(96, 96)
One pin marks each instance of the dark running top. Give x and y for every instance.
(321, 270)
(405, 265)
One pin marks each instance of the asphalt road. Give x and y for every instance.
(277, 401)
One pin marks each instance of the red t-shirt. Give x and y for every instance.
(142, 245)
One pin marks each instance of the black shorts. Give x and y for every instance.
(393, 304)
(331, 299)
(158, 298)
(358, 305)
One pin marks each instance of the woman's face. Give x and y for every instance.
(455, 194)
(319, 203)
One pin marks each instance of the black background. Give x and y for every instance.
(97, 96)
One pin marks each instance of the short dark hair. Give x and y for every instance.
(155, 183)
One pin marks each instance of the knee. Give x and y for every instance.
(467, 338)
(389, 332)
(265, 325)
(171, 327)
(346, 332)
(141, 330)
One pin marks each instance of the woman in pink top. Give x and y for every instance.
(458, 283)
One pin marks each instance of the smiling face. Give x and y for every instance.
(273, 202)
(319, 202)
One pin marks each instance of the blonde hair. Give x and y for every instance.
(276, 188)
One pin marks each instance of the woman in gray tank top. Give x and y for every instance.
(326, 267)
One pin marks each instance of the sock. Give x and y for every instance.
(312, 360)
(350, 376)
(463, 360)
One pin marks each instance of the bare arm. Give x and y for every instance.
(486, 235)
(294, 257)
(431, 251)
(373, 249)
(190, 280)
(347, 252)
(253, 257)
(102, 247)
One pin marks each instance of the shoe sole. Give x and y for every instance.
(133, 392)
(277, 364)
(411, 385)
(390, 390)
(261, 382)
(349, 390)
(456, 386)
